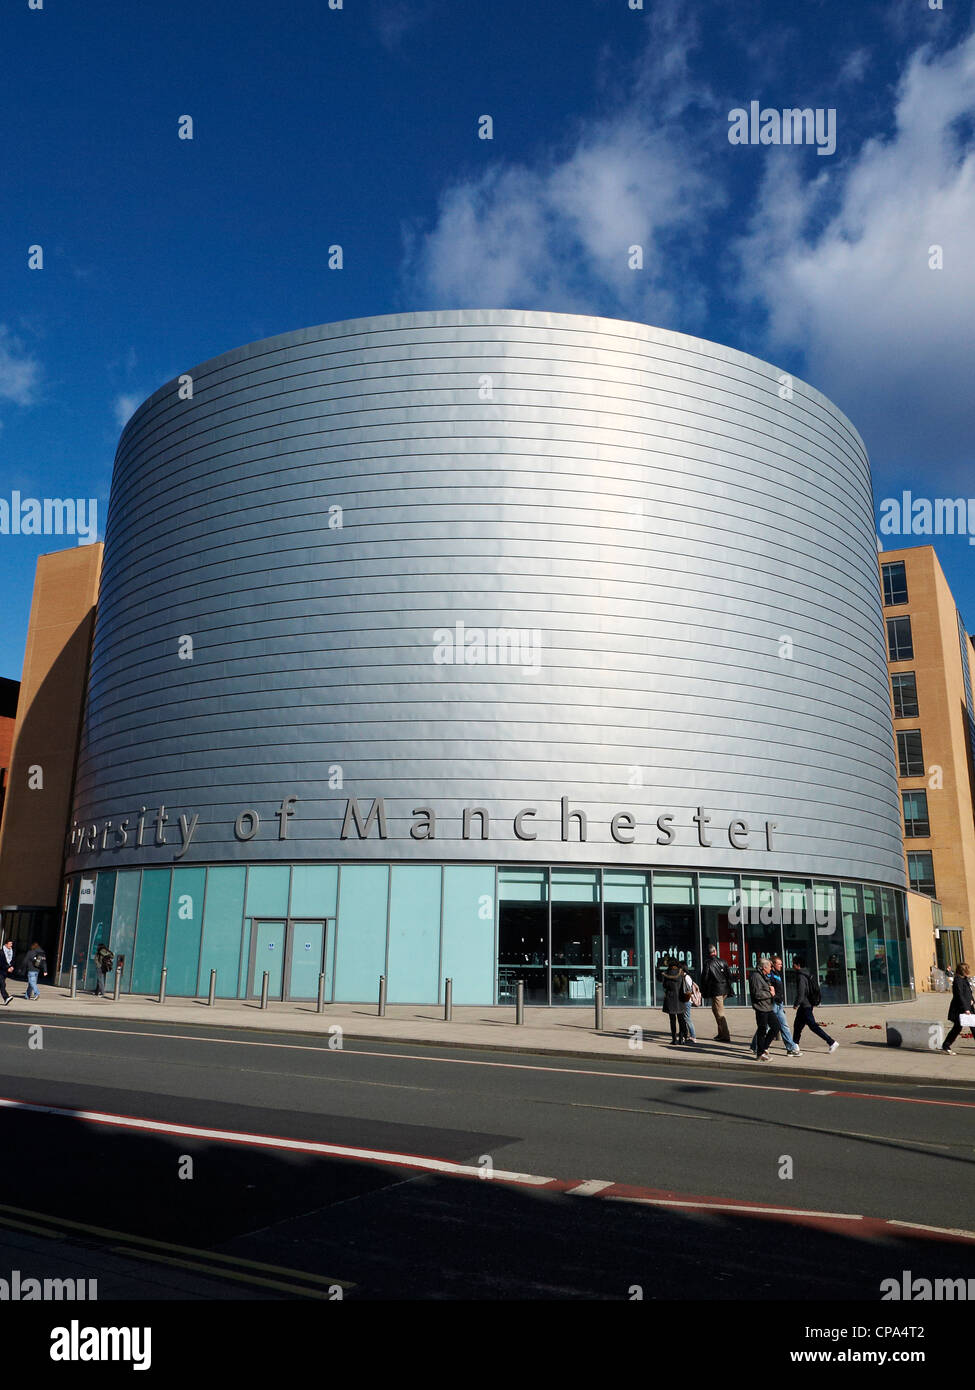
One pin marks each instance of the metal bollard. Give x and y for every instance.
(264, 985)
(381, 1012)
(74, 982)
(448, 1000)
(118, 982)
(520, 1002)
(321, 994)
(213, 987)
(599, 1007)
(162, 985)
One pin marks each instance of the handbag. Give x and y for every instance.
(967, 1020)
(696, 997)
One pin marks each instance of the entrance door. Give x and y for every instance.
(306, 957)
(293, 954)
(267, 953)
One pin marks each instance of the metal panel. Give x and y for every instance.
(695, 553)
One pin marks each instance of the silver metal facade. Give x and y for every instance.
(692, 548)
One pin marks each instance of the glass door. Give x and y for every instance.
(306, 958)
(267, 954)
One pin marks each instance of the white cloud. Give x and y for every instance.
(19, 372)
(123, 407)
(555, 233)
(840, 264)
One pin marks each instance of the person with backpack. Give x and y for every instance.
(717, 986)
(808, 997)
(35, 963)
(691, 995)
(104, 963)
(674, 988)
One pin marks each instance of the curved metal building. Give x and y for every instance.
(483, 595)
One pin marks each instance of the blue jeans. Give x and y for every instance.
(32, 984)
(687, 1019)
(779, 1011)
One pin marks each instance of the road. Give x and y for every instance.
(382, 1171)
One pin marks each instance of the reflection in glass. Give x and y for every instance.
(674, 927)
(523, 934)
(719, 894)
(576, 935)
(829, 942)
(626, 917)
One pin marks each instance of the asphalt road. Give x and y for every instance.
(255, 1220)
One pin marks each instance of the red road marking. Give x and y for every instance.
(871, 1227)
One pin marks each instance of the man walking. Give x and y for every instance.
(104, 961)
(761, 996)
(6, 968)
(777, 978)
(808, 995)
(36, 965)
(717, 986)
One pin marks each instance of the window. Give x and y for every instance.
(910, 754)
(905, 695)
(920, 869)
(900, 643)
(916, 822)
(895, 582)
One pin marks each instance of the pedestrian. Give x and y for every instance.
(104, 961)
(808, 997)
(672, 981)
(36, 963)
(717, 986)
(777, 978)
(760, 991)
(962, 1002)
(6, 968)
(691, 996)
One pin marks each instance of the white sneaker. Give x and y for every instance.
(832, 1047)
(948, 1051)
(794, 1053)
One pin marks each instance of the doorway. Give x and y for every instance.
(294, 954)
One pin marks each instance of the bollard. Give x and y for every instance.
(264, 984)
(118, 982)
(520, 1002)
(74, 982)
(382, 997)
(599, 1007)
(213, 987)
(448, 1000)
(162, 985)
(321, 994)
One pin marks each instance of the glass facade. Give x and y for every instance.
(560, 930)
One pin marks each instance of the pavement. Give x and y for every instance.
(628, 1034)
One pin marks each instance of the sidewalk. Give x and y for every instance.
(859, 1030)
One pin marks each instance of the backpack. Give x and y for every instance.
(696, 997)
(815, 993)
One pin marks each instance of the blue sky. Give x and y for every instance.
(358, 126)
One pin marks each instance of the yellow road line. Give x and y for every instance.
(195, 1251)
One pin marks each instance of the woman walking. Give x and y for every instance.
(962, 1002)
(672, 981)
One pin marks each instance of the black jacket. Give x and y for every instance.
(758, 985)
(673, 983)
(802, 999)
(962, 1001)
(716, 979)
(35, 960)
